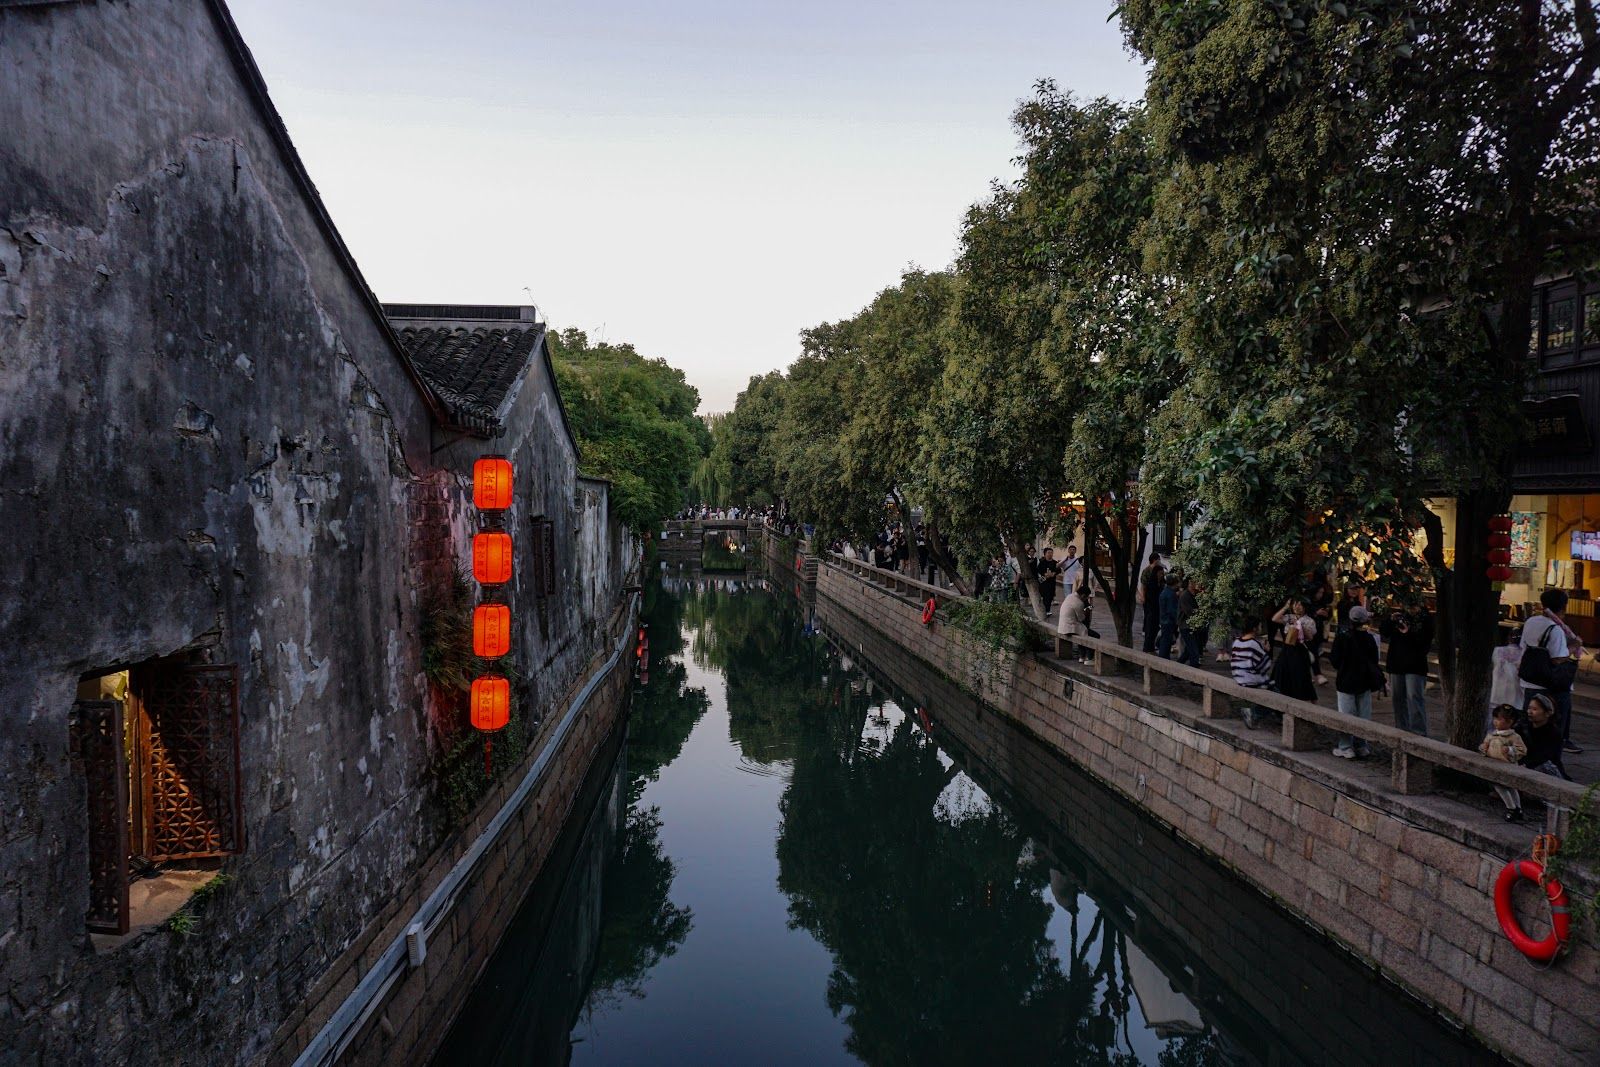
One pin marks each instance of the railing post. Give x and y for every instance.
(1213, 705)
(1409, 774)
(1154, 681)
(1103, 664)
(1298, 734)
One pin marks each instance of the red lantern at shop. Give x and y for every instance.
(1499, 540)
(1498, 556)
(491, 557)
(1499, 574)
(491, 703)
(491, 630)
(491, 483)
(1500, 524)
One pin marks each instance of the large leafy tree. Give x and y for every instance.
(635, 422)
(1057, 257)
(1362, 197)
(743, 459)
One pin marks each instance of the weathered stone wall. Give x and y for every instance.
(1403, 882)
(209, 443)
(415, 1015)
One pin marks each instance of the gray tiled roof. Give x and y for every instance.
(471, 368)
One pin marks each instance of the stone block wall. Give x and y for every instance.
(1249, 966)
(417, 1012)
(1399, 881)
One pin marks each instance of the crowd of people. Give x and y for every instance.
(1373, 650)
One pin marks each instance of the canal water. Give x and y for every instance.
(808, 851)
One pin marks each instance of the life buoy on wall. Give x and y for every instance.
(928, 610)
(1560, 914)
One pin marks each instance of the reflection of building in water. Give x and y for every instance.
(1166, 1011)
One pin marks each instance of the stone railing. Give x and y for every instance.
(1413, 758)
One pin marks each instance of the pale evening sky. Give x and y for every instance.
(703, 179)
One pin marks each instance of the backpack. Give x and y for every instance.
(1539, 670)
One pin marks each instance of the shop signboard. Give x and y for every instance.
(1556, 426)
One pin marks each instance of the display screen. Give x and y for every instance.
(1586, 545)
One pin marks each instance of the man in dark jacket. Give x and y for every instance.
(1410, 636)
(1194, 641)
(1151, 581)
(1049, 572)
(1356, 676)
(1169, 617)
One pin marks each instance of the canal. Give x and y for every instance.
(808, 851)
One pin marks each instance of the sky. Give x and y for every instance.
(702, 179)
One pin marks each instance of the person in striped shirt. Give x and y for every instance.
(1251, 665)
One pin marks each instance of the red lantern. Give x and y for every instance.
(1500, 524)
(491, 630)
(491, 483)
(1499, 540)
(1499, 573)
(491, 558)
(1499, 556)
(491, 703)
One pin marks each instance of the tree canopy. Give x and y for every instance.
(635, 422)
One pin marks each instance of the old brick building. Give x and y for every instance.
(228, 482)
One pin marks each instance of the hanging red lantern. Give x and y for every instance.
(491, 703)
(1498, 556)
(1499, 573)
(491, 557)
(1500, 524)
(491, 630)
(491, 483)
(1499, 540)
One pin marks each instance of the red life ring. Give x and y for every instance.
(927, 611)
(1560, 913)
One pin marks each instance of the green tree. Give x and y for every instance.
(1361, 198)
(635, 422)
(743, 460)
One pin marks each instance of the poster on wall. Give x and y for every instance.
(1524, 538)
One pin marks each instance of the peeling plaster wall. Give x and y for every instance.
(206, 441)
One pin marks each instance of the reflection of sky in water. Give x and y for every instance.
(745, 978)
(720, 997)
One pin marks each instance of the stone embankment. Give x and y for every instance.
(1396, 873)
(392, 995)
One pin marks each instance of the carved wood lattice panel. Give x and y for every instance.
(105, 767)
(189, 744)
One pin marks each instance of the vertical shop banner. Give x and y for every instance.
(1524, 538)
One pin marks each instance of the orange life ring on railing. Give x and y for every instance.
(1560, 914)
(928, 610)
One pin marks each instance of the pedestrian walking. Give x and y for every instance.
(1549, 661)
(1151, 581)
(1194, 639)
(1409, 633)
(1169, 617)
(1049, 570)
(1071, 569)
(1357, 675)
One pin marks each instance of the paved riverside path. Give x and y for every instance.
(1584, 767)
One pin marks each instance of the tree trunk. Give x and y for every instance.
(1029, 582)
(1126, 542)
(1469, 620)
(941, 557)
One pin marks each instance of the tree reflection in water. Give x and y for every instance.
(641, 925)
(929, 896)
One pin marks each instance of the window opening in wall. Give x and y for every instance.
(159, 745)
(544, 547)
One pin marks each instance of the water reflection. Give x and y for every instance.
(805, 873)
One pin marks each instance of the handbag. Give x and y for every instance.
(1540, 670)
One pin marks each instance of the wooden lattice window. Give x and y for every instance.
(188, 762)
(98, 732)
